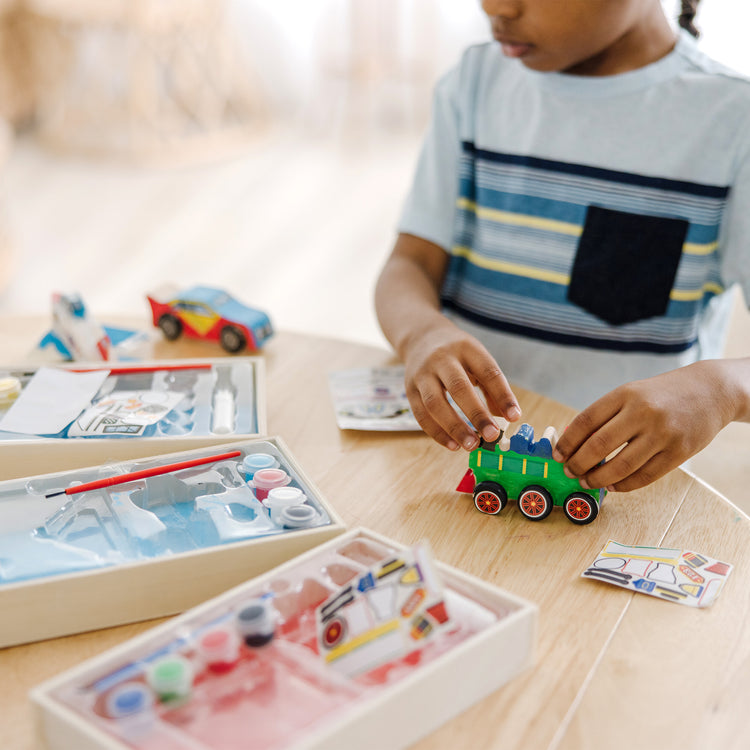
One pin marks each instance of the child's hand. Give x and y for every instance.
(661, 422)
(439, 357)
(448, 360)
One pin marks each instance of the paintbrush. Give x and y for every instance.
(143, 474)
(145, 368)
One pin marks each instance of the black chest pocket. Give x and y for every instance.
(626, 264)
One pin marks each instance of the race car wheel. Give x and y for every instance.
(171, 326)
(232, 339)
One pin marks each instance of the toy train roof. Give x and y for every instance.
(522, 442)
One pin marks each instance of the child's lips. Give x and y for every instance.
(512, 48)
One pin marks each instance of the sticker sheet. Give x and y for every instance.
(383, 614)
(371, 398)
(675, 575)
(125, 413)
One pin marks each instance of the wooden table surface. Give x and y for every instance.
(613, 669)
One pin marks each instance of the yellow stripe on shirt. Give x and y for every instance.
(515, 269)
(520, 220)
(694, 248)
(553, 277)
(690, 295)
(560, 227)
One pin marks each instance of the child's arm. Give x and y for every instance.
(662, 421)
(438, 356)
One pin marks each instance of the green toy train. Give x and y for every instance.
(525, 470)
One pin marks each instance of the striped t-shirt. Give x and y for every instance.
(594, 224)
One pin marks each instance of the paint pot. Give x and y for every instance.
(265, 480)
(171, 678)
(219, 648)
(255, 461)
(298, 516)
(280, 498)
(256, 623)
(129, 699)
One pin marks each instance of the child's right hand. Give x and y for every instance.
(440, 358)
(446, 360)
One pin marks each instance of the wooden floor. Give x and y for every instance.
(293, 224)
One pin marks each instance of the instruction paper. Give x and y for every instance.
(675, 575)
(51, 400)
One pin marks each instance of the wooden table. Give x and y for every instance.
(613, 669)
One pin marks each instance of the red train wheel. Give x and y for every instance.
(581, 508)
(490, 497)
(535, 503)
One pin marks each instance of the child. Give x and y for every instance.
(580, 206)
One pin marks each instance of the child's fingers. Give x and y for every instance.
(597, 446)
(465, 395)
(452, 372)
(433, 429)
(587, 425)
(435, 414)
(498, 392)
(627, 463)
(656, 467)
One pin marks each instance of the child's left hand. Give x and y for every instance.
(661, 422)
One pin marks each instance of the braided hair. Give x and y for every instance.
(687, 16)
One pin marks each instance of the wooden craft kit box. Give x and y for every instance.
(134, 410)
(95, 547)
(291, 660)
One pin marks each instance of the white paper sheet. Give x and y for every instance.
(51, 400)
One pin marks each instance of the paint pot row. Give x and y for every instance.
(170, 678)
(287, 505)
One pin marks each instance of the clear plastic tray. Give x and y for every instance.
(283, 693)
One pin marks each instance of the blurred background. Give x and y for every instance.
(260, 145)
(263, 146)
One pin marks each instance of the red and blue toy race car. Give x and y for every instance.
(203, 312)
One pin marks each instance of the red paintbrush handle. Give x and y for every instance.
(152, 472)
(147, 368)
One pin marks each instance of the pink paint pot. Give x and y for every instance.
(219, 648)
(265, 480)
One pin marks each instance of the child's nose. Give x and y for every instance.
(503, 8)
